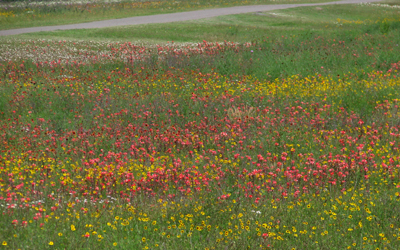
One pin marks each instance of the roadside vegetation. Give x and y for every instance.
(273, 130)
(21, 14)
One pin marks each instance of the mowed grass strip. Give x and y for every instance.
(24, 14)
(322, 20)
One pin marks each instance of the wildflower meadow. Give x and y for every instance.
(287, 141)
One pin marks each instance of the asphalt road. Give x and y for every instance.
(173, 17)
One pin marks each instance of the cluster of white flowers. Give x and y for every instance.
(23, 205)
(26, 4)
(381, 5)
(280, 14)
(49, 52)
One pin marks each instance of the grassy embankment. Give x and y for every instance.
(22, 14)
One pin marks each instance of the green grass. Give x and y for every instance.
(31, 16)
(327, 217)
(287, 42)
(247, 27)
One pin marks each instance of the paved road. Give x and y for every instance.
(173, 17)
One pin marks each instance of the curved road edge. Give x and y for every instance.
(173, 17)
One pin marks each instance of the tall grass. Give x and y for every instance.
(286, 142)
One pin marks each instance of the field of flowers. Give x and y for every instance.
(139, 158)
(291, 142)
